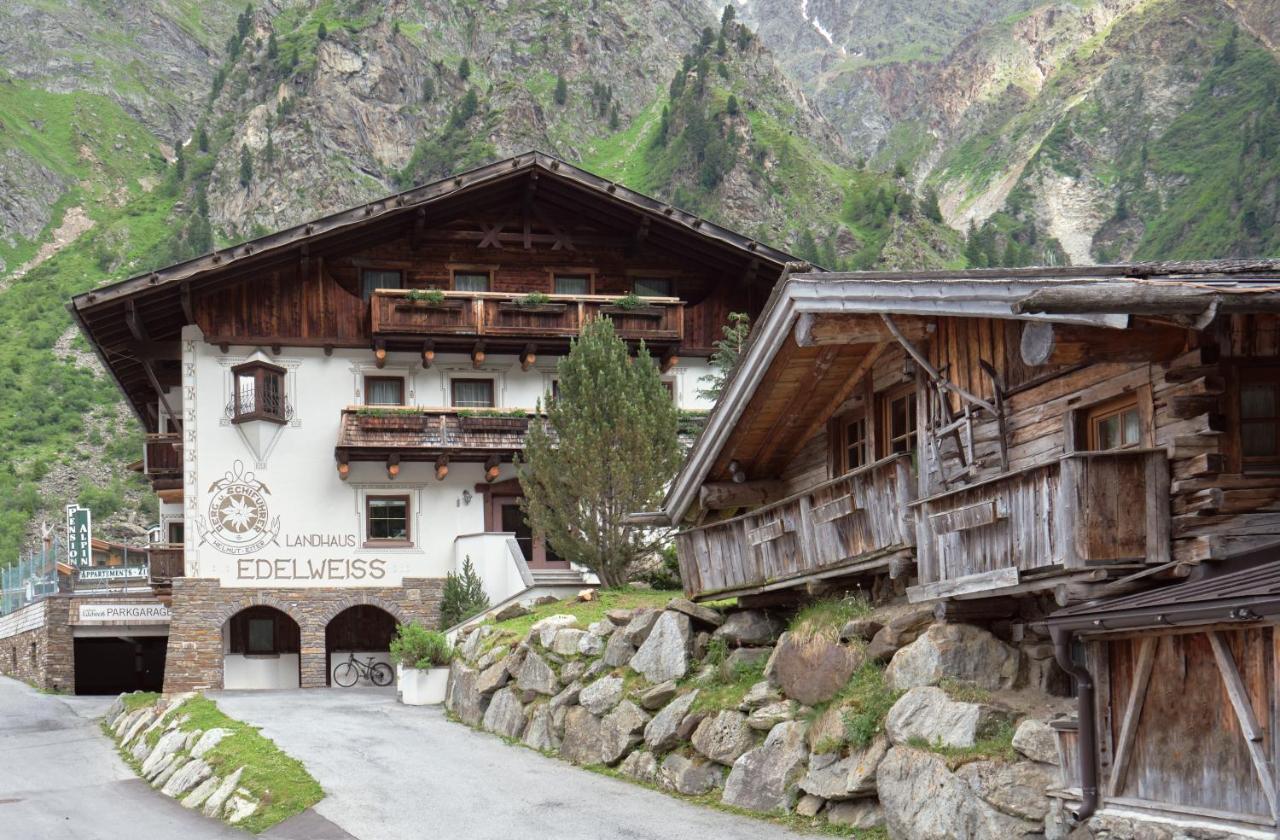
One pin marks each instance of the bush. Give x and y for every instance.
(417, 647)
(667, 575)
(463, 596)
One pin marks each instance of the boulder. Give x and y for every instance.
(162, 769)
(639, 627)
(658, 696)
(544, 600)
(665, 653)
(582, 737)
(494, 677)
(208, 740)
(169, 743)
(618, 651)
(741, 659)
(927, 713)
(924, 800)
(566, 641)
(749, 628)
(690, 725)
(898, 633)
(145, 717)
(545, 629)
(601, 695)
(640, 765)
(724, 737)
(767, 717)
(620, 730)
(760, 694)
(462, 697)
(826, 735)
(239, 807)
(701, 641)
(213, 805)
(808, 806)
(202, 792)
(813, 670)
(536, 677)
(590, 644)
(1037, 741)
(765, 778)
(619, 617)
(864, 814)
(1015, 789)
(662, 733)
(540, 732)
(470, 649)
(602, 628)
(771, 667)
(510, 611)
(494, 655)
(955, 651)
(186, 777)
(696, 612)
(692, 777)
(848, 777)
(859, 630)
(505, 715)
(573, 670)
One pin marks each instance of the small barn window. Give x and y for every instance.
(471, 281)
(372, 279)
(898, 420)
(259, 392)
(177, 533)
(1115, 424)
(853, 443)
(652, 286)
(1260, 418)
(571, 284)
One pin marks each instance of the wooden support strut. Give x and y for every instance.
(380, 354)
(932, 371)
(477, 354)
(442, 467)
(492, 467)
(139, 331)
(344, 466)
(428, 353)
(393, 465)
(528, 356)
(1253, 733)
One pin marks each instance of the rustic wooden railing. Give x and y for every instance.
(860, 519)
(1082, 511)
(166, 562)
(396, 312)
(162, 455)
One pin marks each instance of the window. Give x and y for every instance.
(571, 284)
(1260, 418)
(471, 281)
(387, 519)
(853, 443)
(261, 635)
(670, 385)
(259, 392)
(262, 631)
(898, 420)
(372, 278)
(1114, 424)
(383, 390)
(652, 286)
(471, 393)
(177, 533)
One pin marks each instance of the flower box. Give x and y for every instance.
(423, 687)
(406, 422)
(533, 308)
(634, 311)
(478, 423)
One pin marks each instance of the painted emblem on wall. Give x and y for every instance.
(238, 519)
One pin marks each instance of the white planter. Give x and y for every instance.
(423, 688)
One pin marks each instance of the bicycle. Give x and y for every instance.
(349, 672)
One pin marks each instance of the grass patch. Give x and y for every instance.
(138, 699)
(868, 699)
(995, 746)
(964, 691)
(825, 618)
(587, 612)
(727, 690)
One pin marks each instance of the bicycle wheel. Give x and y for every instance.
(381, 674)
(346, 675)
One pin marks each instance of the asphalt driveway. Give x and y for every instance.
(394, 772)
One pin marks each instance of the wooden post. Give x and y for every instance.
(380, 354)
(492, 467)
(1132, 712)
(1253, 733)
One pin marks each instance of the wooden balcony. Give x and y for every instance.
(1069, 519)
(402, 314)
(166, 562)
(856, 523)
(425, 434)
(162, 456)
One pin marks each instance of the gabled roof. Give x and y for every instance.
(980, 293)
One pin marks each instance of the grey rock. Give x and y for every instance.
(813, 671)
(690, 724)
(767, 717)
(1015, 789)
(619, 617)
(505, 715)
(898, 633)
(573, 670)
(510, 611)
(568, 696)
(601, 695)
(955, 651)
(157, 775)
(639, 627)
(114, 711)
(545, 629)
(696, 612)
(470, 649)
(724, 737)
(766, 778)
(186, 777)
(540, 732)
(169, 743)
(640, 765)
(658, 696)
(865, 814)
(544, 600)
(602, 628)
(760, 694)
(566, 641)
(496, 654)
(662, 733)
(493, 678)
(860, 630)
(849, 777)
(201, 793)
(808, 806)
(462, 698)
(213, 805)
(618, 651)
(144, 718)
(591, 645)
(692, 777)
(582, 743)
(620, 730)
(535, 676)
(741, 659)
(926, 712)
(665, 653)
(701, 642)
(239, 807)
(1037, 741)
(210, 739)
(749, 628)
(826, 734)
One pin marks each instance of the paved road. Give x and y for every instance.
(395, 772)
(61, 778)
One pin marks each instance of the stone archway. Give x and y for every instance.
(261, 648)
(364, 631)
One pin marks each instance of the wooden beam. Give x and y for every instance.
(813, 330)
(1253, 733)
(781, 431)
(726, 495)
(477, 354)
(428, 352)
(843, 392)
(980, 582)
(380, 354)
(188, 311)
(1132, 714)
(1071, 344)
(528, 356)
(670, 358)
(1145, 298)
(442, 467)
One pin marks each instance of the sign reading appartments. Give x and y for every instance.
(124, 612)
(112, 573)
(79, 536)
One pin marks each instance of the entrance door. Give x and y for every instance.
(536, 551)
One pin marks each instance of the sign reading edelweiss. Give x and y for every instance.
(238, 520)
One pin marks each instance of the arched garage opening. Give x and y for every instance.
(363, 630)
(260, 649)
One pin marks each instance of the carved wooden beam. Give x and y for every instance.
(393, 465)
(670, 358)
(380, 354)
(1071, 344)
(817, 329)
(477, 354)
(492, 466)
(344, 466)
(428, 353)
(442, 467)
(726, 495)
(528, 356)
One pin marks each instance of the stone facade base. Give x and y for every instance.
(202, 606)
(42, 652)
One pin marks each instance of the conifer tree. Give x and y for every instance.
(463, 596)
(270, 151)
(464, 69)
(273, 48)
(202, 140)
(929, 206)
(322, 32)
(725, 357)
(246, 166)
(562, 90)
(607, 448)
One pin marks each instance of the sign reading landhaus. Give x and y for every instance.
(124, 612)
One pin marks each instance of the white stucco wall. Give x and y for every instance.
(312, 527)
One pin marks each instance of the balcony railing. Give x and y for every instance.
(856, 522)
(1080, 512)
(162, 455)
(166, 562)
(400, 313)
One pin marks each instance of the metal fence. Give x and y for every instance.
(35, 576)
(31, 578)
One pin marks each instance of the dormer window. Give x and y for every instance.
(259, 392)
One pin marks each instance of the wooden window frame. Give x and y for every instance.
(260, 371)
(671, 282)
(168, 531)
(1090, 416)
(884, 419)
(1253, 464)
(840, 433)
(454, 270)
(366, 268)
(379, 542)
(397, 379)
(493, 391)
(588, 273)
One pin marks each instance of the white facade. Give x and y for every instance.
(294, 522)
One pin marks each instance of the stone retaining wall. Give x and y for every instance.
(202, 606)
(41, 652)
